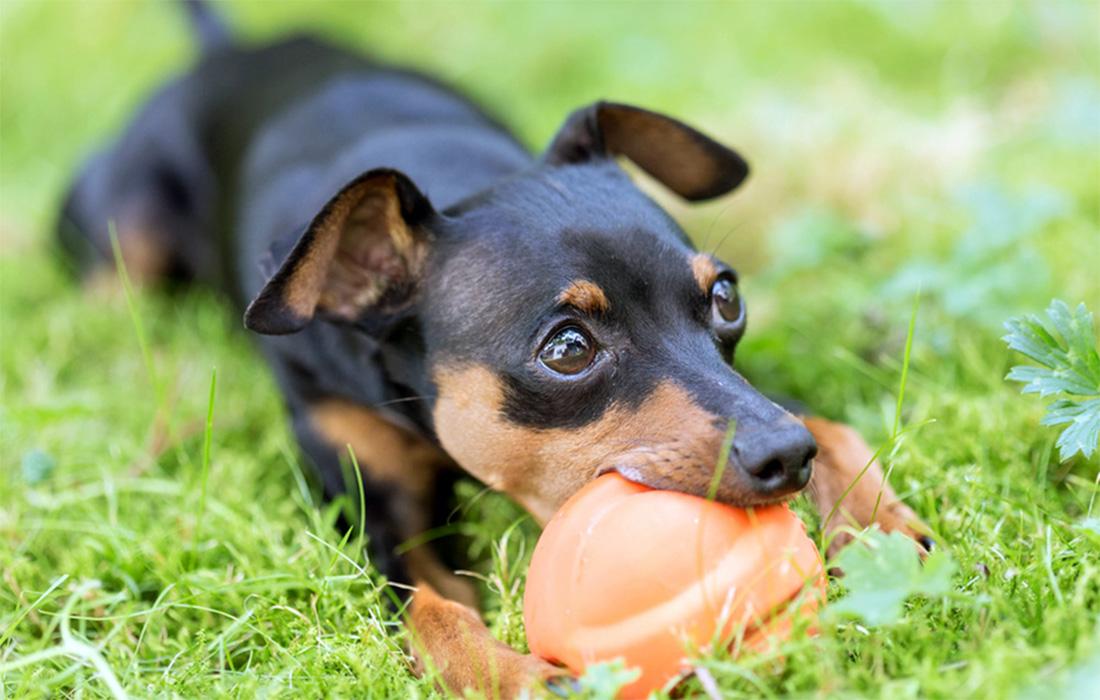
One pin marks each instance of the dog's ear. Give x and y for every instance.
(687, 162)
(362, 254)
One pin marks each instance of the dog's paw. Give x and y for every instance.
(894, 516)
(851, 493)
(528, 674)
(450, 643)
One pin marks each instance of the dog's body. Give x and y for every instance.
(437, 298)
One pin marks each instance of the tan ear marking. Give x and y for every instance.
(306, 283)
(585, 296)
(363, 252)
(373, 230)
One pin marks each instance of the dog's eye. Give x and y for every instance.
(568, 352)
(726, 300)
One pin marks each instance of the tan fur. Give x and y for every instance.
(666, 442)
(391, 455)
(450, 640)
(363, 245)
(448, 636)
(384, 450)
(705, 271)
(842, 455)
(308, 279)
(585, 296)
(425, 566)
(145, 256)
(376, 247)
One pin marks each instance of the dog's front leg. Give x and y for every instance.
(449, 640)
(452, 643)
(849, 488)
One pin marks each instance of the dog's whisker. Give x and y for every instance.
(403, 399)
(718, 216)
(733, 229)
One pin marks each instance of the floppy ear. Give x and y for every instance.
(690, 164)
(363, 253)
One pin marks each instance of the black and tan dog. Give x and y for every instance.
(437, 298)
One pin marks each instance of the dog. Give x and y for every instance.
(438, 299)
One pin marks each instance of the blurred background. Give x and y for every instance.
(950, 149)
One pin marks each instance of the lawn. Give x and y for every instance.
(946, 154)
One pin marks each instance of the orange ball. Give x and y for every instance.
(623, 571)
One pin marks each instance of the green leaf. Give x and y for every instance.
(883, 571)
(1065, 346)
(1029, 338)
(37, 466)
(1045, 382)
(1090, 527)
(1083, 432)
(603, 681)
(1080, 681)
(1084, 680)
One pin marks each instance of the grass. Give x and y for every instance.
(951, 147)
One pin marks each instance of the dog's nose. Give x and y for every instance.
(777, 459)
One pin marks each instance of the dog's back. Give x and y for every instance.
(164, 185)
(353, 122)
(229, 161)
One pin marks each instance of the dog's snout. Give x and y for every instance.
(777, 460)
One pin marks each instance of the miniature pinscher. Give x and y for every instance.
(437, 298)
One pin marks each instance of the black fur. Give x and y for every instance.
(232, 161)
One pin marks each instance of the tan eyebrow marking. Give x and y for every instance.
(704, 270)
(585, 296)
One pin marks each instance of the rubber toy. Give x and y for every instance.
(624, 571)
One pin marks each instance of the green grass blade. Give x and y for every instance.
(208, 432)
(135, 315)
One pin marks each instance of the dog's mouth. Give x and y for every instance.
(700, 484)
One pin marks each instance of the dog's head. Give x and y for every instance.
(561, 322)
